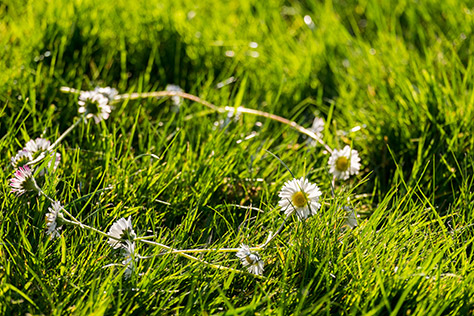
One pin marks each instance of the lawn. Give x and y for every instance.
(224, 127)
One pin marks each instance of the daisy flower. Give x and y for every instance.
(23, 180)
(344, 163)
(108, 92)
(53, 219)
(300, 195)
(121, 229)
(37, 146)
(54, 157)
(34, 149)
(94, 105)
(21, 158)
(251, 260)
(128, 251)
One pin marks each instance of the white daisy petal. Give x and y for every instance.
(177, 100)
(35, 149)
(318, 125)
(108, 92)
(129, 254)
(37, 146)
(317, 128)
(351, 219)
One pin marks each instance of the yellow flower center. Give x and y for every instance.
(22, 161)
(249, 260)
(299, 199)
(342, 163)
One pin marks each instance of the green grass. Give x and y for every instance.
(401, 70)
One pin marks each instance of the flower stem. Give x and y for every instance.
(185, 255)
(50, 148)
(280, 119)
(62, 208)
(76, 222)
(258, 248)
(177, 251)
(333, 186)
(133, 96)
(265, 244)
(224, 109)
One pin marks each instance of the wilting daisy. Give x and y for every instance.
(23, 180)
(344, 163)
(300, 195)
(108, 92)
(121, 229)
(351, 217)
(21, 158)
(53, 219)
(94, 105)
(251, 260)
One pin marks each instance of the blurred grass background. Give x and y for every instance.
(401, 71)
